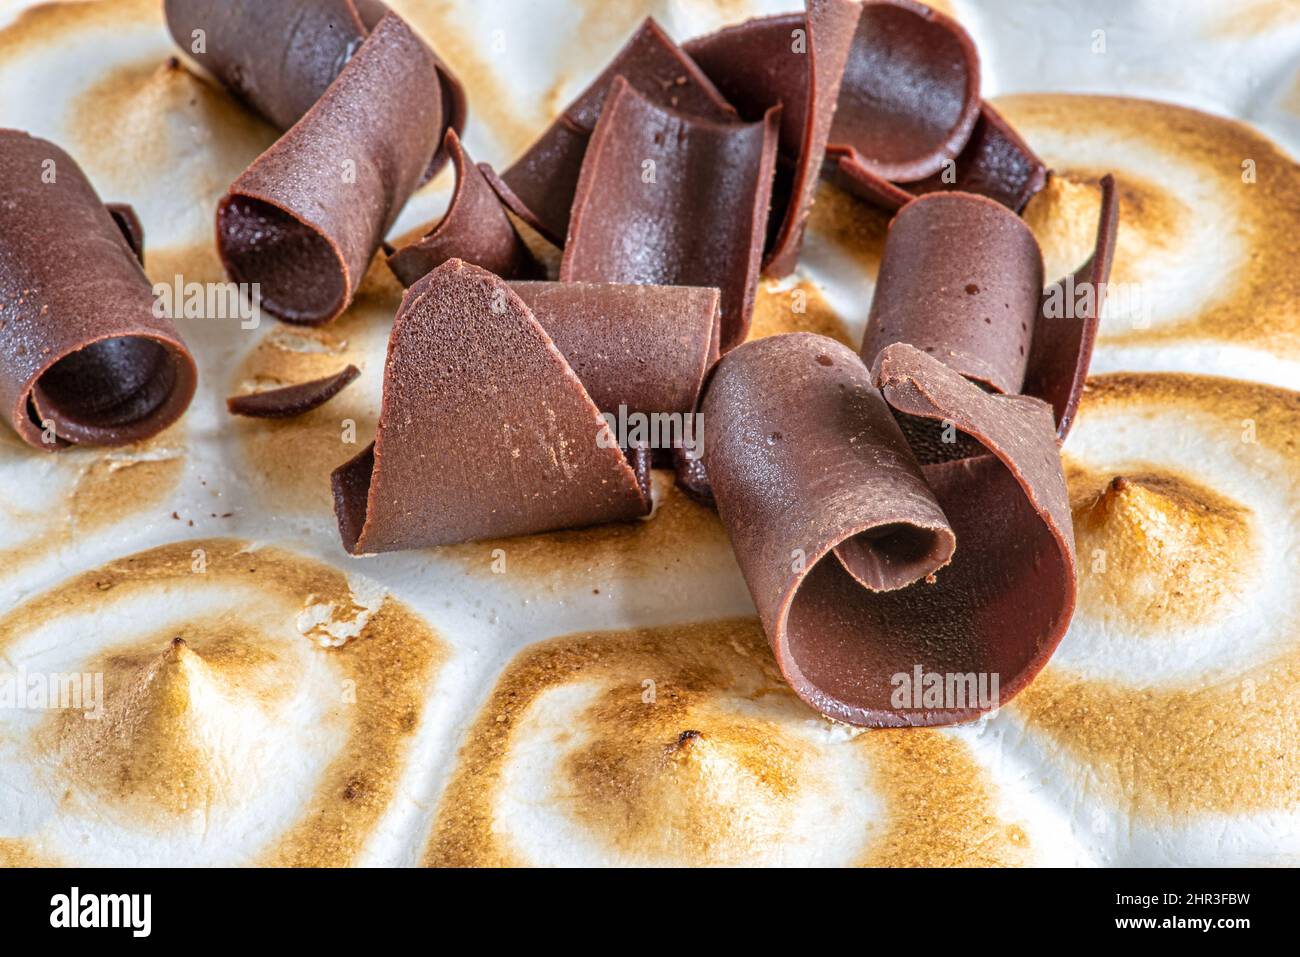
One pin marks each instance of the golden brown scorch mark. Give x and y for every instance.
(150, 759)
(707, 773)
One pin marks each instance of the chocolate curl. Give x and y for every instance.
(805, 458)
(911, 91)
(1004, 603)
(474, 229)
(674, 200)
(865, 565)
(540, 186)
(274, 56)
(961, 278)
(292, 400)
(278, 57)
(1064, 337)
(81, 346)
(797, 61)
(304, 221)
(645, 348)
(484, 431)
(996, 163)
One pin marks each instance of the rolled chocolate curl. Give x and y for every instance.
(485, 431)
(796, 61)
(304, 221)
(910, 95)
(475, 229)
(84, 356)
(539, 187)
(674, 200)
(864, 564)
(961, 278)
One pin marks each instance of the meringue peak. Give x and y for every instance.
(174, 731)
(1159, 549)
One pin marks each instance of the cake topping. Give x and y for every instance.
(84, 356)
(796, 61)
(540, 186)
(305, 219)
(470, 370)
(691, 194)
(805, 459)
(292, 400)
(475, 229)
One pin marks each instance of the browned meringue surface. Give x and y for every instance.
(683, 746)
(501, 711)
(256, 708)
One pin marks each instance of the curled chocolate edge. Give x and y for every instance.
(485, 431)
(85, 356)
(299, 222)
(291, 401)
(690, 163)
(475, 229)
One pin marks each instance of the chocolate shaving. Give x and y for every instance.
(644, 348)
(910, 94)
(995, 163)
(292, 400)
(674, 200)
(83, 357)
(864, 564)
(1064, 337)
(485, 430)
(475, 229)
(306, 218)
(795, 61)
(961, 278)
(540, 186)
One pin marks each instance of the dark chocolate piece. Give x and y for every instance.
(961, 278)
(540, 186)
(911, 91)
(646, 348)
(1063, 338)
(475, 229)
(674, 200)
(995, 163)
(84, 358)
(865, 565)
(484, 432)
(292, 400)
(306, 218)
(796, 61)
(128, 221)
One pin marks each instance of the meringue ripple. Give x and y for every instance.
(261, 717)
